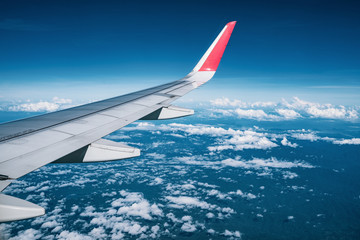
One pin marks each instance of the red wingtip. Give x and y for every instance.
(213, 60)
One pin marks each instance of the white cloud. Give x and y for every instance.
(132, 228)
(331, 112)
(248, 196)
(263, 104)
(185, 201)
(144, 125)
(288, 113)
(254, 114)
(249, 141)
(50, 224)
(218, 194)
(172, 217)
(176, 135)
(157, 181)
(98, 233)
(35, 107)
(238, 140)
(61, 100)
(5, 231)
(246, 139)
(196, 160)
(65, 235)
(154, 231)
(228, 210)
(289, 175)
(318, 110)
(135, 205)
(210, 215)
(296, 103)
(286, 142)
(156, 155)
(306, 136)
(200, 129)
(235, 234)
(352, 141)
(207, 185)
(119, 219)
(220, 148)
(42, 106)
(296, 108)
(28, 234)
(135, 229)
(257, 163)
(188, 186)
(225, 102)
(188, 227)
(186, 218)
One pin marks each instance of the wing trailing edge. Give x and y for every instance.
(12, 208)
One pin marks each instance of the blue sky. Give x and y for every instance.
(88, 50)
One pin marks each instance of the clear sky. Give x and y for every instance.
(87, 50)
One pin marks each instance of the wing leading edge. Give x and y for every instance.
(74, 135)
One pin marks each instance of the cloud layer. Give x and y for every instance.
(41, 106)
(284, 110)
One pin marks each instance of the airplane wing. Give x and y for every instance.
(74, 135)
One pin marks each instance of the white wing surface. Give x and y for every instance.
(74, 135)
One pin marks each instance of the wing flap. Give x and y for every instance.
(169, 112)
(12, 208)
(105, 150)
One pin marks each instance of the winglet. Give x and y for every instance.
(211, 59)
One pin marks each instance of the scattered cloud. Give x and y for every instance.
(42, 106)
(157, 181)
(28, 234)
(235, 234)
(286, 142)
(226, 102)
(254, 114)
(156, 155)
(133, 204)
(352, 141)
(73, 235)
(288, 113)
(236, 139)
(284, 110)
(289, 175)
(188, 227)
(247, 196)
(332, 112)
(35, 107)
(185, 201)
(306, 136)
(249, 140)
(257, 163)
